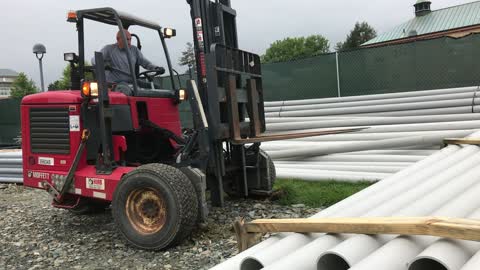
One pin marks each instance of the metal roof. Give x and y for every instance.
(8, 73)
(435, 21)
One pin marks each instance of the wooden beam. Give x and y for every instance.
(468, 141)
(463, 229)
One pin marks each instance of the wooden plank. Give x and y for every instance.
(464, 229)
(468, 141)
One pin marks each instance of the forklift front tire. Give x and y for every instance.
(155, 206)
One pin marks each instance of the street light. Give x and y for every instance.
(39, 50)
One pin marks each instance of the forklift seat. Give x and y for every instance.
(155, 93)
(127, 89)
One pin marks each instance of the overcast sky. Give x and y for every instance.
(260, 22)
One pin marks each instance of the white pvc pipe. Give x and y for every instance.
(294, 241)
(451, 253)
(455, 96)
(322, 175)
(377, 108)
(386, 135)
(454, 181)
(353, 147)
(374, 96)
(378, 198)
(462, 197)
(372, 169)
(355, 163)
(281, 126)
(365, 158)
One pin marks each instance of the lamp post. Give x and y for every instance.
(39, 50)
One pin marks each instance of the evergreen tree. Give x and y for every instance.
(361, 33)
(188, 56)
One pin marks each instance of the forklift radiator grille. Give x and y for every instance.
(49, 131)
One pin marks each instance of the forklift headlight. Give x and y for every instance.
(70, 57)
(169, 32)
(90, 89)
(182, 95)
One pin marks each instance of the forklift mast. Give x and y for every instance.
(230, 88)
(213, 23)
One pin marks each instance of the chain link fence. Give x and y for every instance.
(421, 65)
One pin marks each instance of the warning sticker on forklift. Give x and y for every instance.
(198, 22)
(46, 161)
(74, 123)
(95, 183)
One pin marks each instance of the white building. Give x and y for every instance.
(7, 76)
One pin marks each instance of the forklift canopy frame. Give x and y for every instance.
(123, 20)
(109, 16)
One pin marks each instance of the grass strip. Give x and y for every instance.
(315, 194)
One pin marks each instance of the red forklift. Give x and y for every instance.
(103, 144)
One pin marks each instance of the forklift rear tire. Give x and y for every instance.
(268, 182)
(155, 206)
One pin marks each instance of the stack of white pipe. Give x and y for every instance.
(446, 183)
(11, 166)
(401, 128)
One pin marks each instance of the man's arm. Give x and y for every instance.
(144, 62)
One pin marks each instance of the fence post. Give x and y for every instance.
(338, 75)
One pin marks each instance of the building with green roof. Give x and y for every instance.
(456, 21)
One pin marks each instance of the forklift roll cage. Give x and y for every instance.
(123, 21)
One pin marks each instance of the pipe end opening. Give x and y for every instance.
(251, 264)
(427, 263)
(332, 261)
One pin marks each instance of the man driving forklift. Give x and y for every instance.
(115, 57)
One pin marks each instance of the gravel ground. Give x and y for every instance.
(34, 235)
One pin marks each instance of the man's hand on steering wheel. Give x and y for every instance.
(150, 74)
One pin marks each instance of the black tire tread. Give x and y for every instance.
(183, 191)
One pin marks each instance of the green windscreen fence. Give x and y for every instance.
(302, 79)
(9, 121)
(423, 65)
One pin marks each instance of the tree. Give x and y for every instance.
(296, 48)
(188, 56)
(64, 82)
(56, 85)
(22, 86)
(361, 33)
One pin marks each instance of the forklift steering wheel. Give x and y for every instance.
(150, 74)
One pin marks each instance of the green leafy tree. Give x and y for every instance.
(361, 33)
(56, 85)
(64, 82)
(296, 48)
(23, 86)
(188, 56)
